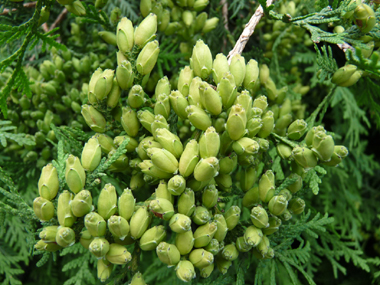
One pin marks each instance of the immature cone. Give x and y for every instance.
(186, 202)
(152, 237)
(222, 227)
(179, 103)
(147, 58)
(228, 164)
(204, 234)
(107, 201)
(44, 209)
(162, 208)
(48, 183)
(168, 253)
(364, 17)
(201, 258)
(210, 99)
(201, 60)
(162, 106)
(253, 236)
(251, 198)
(65, 237)
(206, 169)
(232, 216)
(201, 215)
(159, 122)
(297, 185)
(251, 75)
(74, 174)
(236, 123)
(213, 246)
(106, 142)
(297, 129)
(220, 67)
(176, 185)
(95, 224)
(209, 143)
(186, 75)
(138, 279)
(227, 90)
(130, 122)
(146, 30)
(198, 117)
(139, 222)
(104, 268)
(85, 239)
(210, 196)
(323, 146)
(259, 217)
(268, 125)
(131, 146)
(237, 68)
(189, 158)
(118, 226)
(104, 84)
(263, 246)
(169, 141)
(108, 37)
(340, 152)
(94, 118)
(277, 205)
(343, 74)
(185, 270)
(81, 204)
(222, 264)
(296, 206)
(304, 157)
(99, 247)
(126, 204)
(230, 252)
(76, 8)
(125, 75)
(118, 254)
(274, 225)
(146, 118)
(163, 159)
(125, 35)
(65, 215)
(180, 223)
(50, 247)
(48, 234)
(136, 96)
(162, 192)
(184, 242)
(91, 154)
(267, 186)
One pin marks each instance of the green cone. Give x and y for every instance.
(85, 239)
(185, 271)
(136, 96)
(179, 104)
(296, 206)
(198, 117)
(274, 225)
(227, 90)
(170, 142)
(209, 143)
(204, 234)
(259, 217)
(206, 169)
(126, 204)
(130, 122)
(253, 236)
(176, 185)
(186, 75)
(222, 227)
(125, 35)
(189, 158)
(48, 234)
(228, 164)
(237, 68)
(222, 264)
(267, 186)
(304, 157)
(236, 123)
(201, 216)
(146, 30)
(152, 237)
(94, 119)
(230, 252)
(104, 269)
(241, 245)
(162, 106)
(251, 198)
(180, 223)
(297, 129)
(125, 75)
(210, 196)
(168, 253)
(65, 216)
(107, 201)
(44, 209)
(163, 159)
(162, 208)
(118, 254)
(91, 154)
(201, 60)
(201, 258)
(48, 183)
(138, 279)
(65, 237)
(323, 146)
(118, 226)
(99, 247)
(147, 58)
(82, 203)
(210, 99)
(277, 205)
(186, 202)
(74, 174)
(232, 216)
(95, 224)
(139, 222)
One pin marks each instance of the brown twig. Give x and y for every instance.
(59, 19)
(224, 5)
(26, 5)
(248, 31)
(344, 47)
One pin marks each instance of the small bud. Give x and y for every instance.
(201, 258)
(228, 164)
(259, 217)
(204, 234)
(201, 60)
(251, 75)
(206, 169)
(268, 125)
(253, 236)
(297, 129)
(118, 254)
(138, 279)
(145, 32)
(176, 185)
(148, 168)
(323, 146)
(152, 237)
(65, 237)
(277, 205)
(95, 224)
(162, 208)
(81, 204)
(210, 99)
(104, 84)
(222, 264)
(186, 202)
(169, 141)
(168, 253)
(201, 216)
(99, 247)
(85, 239)
(296, 206)
(107, 201)
(210, 24)
(163, 159)
(245, 146)
(186, 75)
(210, 196)
(44, 209)
(241, 245)
(222, 227)
(198, 117)
(147, 58)
(118, 226)
(232, 216)
(274, 225)
(139, 222)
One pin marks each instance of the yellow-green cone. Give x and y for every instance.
(95, 224)
(222, 227)
(91, 154)
(48, 183)
(48, 234)
(138, 279)
(222, 264)
(104, 269)
(201, 60)
(162, 208)
(82, 203)
(267, 186)
(126, 204)
(201, 215)
(169, 141)
(232, 216)
(152, 237)
(168, 253)
(209, 143)
(210, 196)
(118, 254)
(146, 30)
(65, 215)
(94, 119)
(237, 68)
(147, 58)
(130, 122)
(125, 35)
(236, 123)
(44, 209)
(206, 169)
(227, 90)
(251, 198)
(65, 237)
(241, 245)
(99, 247)
(230, 252)
(304, 157)
(136, 97)
(253, 236)
(107, 201)
(163, 159)
(219, 67)
(274, 225)
(277, 205)
(259, 217)
(189, 158)
(180, 223)
(74, 174)
(185, 271)
(118, 226)
(186, 202)
(184, 242)
(198, 117)
(210, 99)
(125, 75)
(204, 234)
(186, 75)
(201, 258)
(139, 222)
